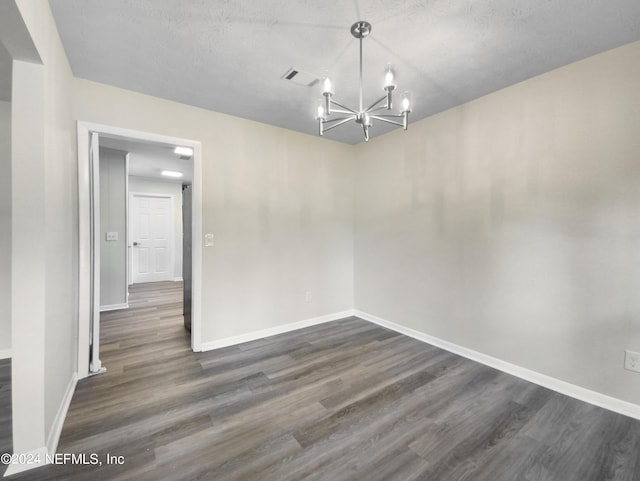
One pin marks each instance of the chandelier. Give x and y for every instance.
(361, 115)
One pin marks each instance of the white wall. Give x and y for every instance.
(156, 186)
(113, 218)
(279, 203)
(5, 229)
(61, 223)
(511, 225)
(44, 233)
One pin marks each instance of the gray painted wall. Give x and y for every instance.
(5, 229)
(511, 225)
(156, 186)
(113, 254)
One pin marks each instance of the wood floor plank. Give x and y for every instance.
(345, 400)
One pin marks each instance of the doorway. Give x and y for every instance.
(89, 135)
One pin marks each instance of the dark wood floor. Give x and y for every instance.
(6, 438)
(346, 400)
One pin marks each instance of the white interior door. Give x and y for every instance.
(153, 248)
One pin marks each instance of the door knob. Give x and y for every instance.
(135, 244)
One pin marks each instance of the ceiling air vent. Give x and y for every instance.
(300, 77)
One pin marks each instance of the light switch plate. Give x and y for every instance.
(112, 236)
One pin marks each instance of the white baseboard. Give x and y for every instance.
(33, 459)
(58, 422)
(272, 331)
(178, 279)
(114, 307)
(562, 387)
(5, 353)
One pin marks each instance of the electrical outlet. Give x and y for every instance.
(112, 236)
(208, 240)
(632, 361)
(307, 296)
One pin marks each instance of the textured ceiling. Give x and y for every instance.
(229, 55)
(5, 74)
(150, 159)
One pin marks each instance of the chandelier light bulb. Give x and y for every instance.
(406, 103)
(320, 111)
(389, 79)
(327, 86)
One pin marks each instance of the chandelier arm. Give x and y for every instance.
(337, 124)
(369, 109)
(366, 132)
(391, 116)
(382, 119)
(350, 117)
(384, 107)
(333, 102)
(340, 111)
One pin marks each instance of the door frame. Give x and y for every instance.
(172, 236)
(84, 130)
